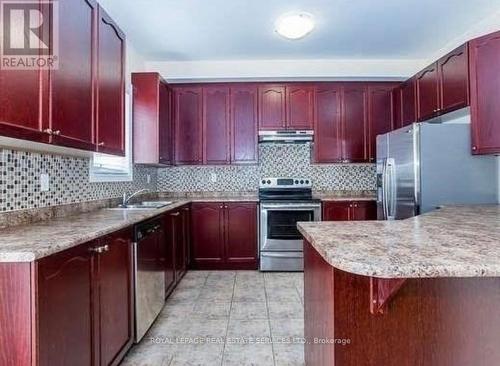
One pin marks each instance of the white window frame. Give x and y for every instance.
(99, 173)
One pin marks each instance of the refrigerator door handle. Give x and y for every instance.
(391, 191)
(384, 189)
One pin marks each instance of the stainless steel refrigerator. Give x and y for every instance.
(425, 165)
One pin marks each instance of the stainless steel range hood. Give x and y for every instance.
(291, 137)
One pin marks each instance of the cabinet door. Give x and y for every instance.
(167, 239)
(354, 123)
(327, 125)
(110, 86)
(207, 235)
(72, 84)
(485, 88)
(337, 211)
(299, 107)
(427, 93)
(454, 79)
(65, 308)
(272, 110)
(244, 125)
(364, 210)
(23, 104)
(165, 140)
(115, 297)
(188, 125)
(408, 103)
(397, 108)
(380, 114)
(241, 235)
(216, 125)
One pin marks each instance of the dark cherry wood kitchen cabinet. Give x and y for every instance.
(408, 103)
(354, 123)
(110, 86)
(397, 112)
(152, 116)
(59, 309)
(380, 114)
(272, 107)
(65, 282)
(244, 122)
(427, 92)
(176, 235)
(115, 297)
(216, 125)
(241, 234)
(72, 89)
(453, 71)
(327, 124)
(207, 235)
(484, 91)
(224, 235)
(349, 210)
(299, 106)
(188, 125)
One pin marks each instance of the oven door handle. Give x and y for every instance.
(282, 254)
(291, 207)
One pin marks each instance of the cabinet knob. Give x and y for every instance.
(175, 214)
(100, 144)
(221, 206)
(48, 131)
(474, 148)
(57, 132)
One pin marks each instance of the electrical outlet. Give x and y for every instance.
(148, 178)
(44, 182)
(213, 177)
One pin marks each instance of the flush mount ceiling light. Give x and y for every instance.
(294, 25)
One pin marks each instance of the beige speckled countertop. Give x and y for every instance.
(29, 242)
(454, 241)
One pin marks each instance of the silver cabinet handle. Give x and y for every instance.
(175, 214)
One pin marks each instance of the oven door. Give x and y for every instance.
(278, 225)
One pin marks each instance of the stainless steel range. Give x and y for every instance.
(283, 203)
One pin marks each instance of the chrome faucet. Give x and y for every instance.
(126, 198)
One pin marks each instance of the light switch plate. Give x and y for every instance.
(44, 182)
(148, 178)
(213, 177)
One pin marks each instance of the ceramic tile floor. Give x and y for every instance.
(228, 318)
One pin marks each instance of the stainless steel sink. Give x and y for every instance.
(146, 205)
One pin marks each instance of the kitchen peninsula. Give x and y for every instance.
(421, 291)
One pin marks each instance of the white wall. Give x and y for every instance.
(235, 70)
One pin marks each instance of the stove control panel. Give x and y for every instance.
(285, 183)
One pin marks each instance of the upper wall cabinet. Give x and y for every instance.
(484, 93)
(81, 103)
(286, 107)
(216, 125)
(272, 107)
(427, 92)
(408, 103)
(110, 86)
(354, 122)
(72, 91)
(380, 116)
(327, 124)
(299, 106)
(188, 125)
(444, 86)
(244, 116)
(152, 119)
(453, 71)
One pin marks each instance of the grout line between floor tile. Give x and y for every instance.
(269, 319)
(228, 320)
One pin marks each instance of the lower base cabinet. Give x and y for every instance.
(224, 235)
(349, 210)
(72, 308)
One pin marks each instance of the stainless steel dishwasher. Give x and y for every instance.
(149, 274)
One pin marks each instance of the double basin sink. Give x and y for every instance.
(145, 205)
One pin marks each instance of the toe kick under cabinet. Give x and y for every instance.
(73, 308)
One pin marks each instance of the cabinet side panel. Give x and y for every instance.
(15, 314)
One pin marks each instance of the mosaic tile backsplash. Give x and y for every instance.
(276, 160)
(69, 181)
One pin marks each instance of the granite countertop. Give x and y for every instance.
(454, 241)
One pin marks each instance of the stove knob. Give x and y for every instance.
(301, 182)
(268, 182)
(263, 181)
(307, 182)
(296, 181)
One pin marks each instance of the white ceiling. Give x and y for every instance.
(190, 30)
